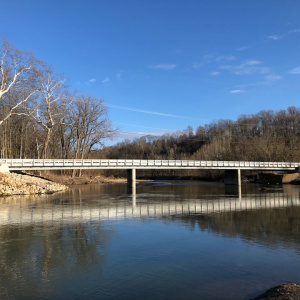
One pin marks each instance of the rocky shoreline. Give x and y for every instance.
(21, 184)
(288, 291)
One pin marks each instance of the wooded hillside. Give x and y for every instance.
(265, 136)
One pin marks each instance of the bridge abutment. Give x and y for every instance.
(232, 177)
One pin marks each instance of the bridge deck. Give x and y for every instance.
(52, 164)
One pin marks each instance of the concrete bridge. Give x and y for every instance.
(232, 168)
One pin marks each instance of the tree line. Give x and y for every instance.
(39, 116)
(265, 136)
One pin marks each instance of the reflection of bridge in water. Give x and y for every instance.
(112, 209)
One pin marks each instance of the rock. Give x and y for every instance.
(20, 184)
(291, 178)
(289, 291)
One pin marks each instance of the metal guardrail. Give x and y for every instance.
(38, 164)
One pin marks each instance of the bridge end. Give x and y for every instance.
(4, 168)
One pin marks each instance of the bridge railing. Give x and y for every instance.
(140, 163)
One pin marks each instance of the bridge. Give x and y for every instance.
(232, 168)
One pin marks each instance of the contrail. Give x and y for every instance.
(143, 126)
(150, 112)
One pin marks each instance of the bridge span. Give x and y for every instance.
(232, 168)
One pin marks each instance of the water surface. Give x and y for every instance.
(174, 240)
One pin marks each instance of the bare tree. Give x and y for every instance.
(33, 99)
(50, 108)
(91, 124)
(18, 74)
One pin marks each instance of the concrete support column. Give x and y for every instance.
(232, 177)
(239, 177)
(131, 181)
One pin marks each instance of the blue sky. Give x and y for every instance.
(164, 65)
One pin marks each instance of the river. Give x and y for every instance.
(172, 240)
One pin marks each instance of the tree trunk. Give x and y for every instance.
(46, 144)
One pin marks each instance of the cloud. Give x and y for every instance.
(236, 91)
(295, 71)
(252, 62)
(122, 135)
(214, 73)
(205, 59)
(294, 30)
(164, 66)
(246, 68)
(197, 65)
(243, 48)
(91, 81)
(150, 112)
(106, 80)
(225, 58)
(120, 74)
(273, 77)
(274, 37)
(267, 80)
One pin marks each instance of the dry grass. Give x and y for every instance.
(84, 179)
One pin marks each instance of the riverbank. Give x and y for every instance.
(289, 291)
(25, 184)
(84, 179)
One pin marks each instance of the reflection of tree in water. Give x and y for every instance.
(271, 227)
(33, 256)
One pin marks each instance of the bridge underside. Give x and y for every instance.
(232, 177)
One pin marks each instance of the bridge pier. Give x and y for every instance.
(131, 181)
(232, 177)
